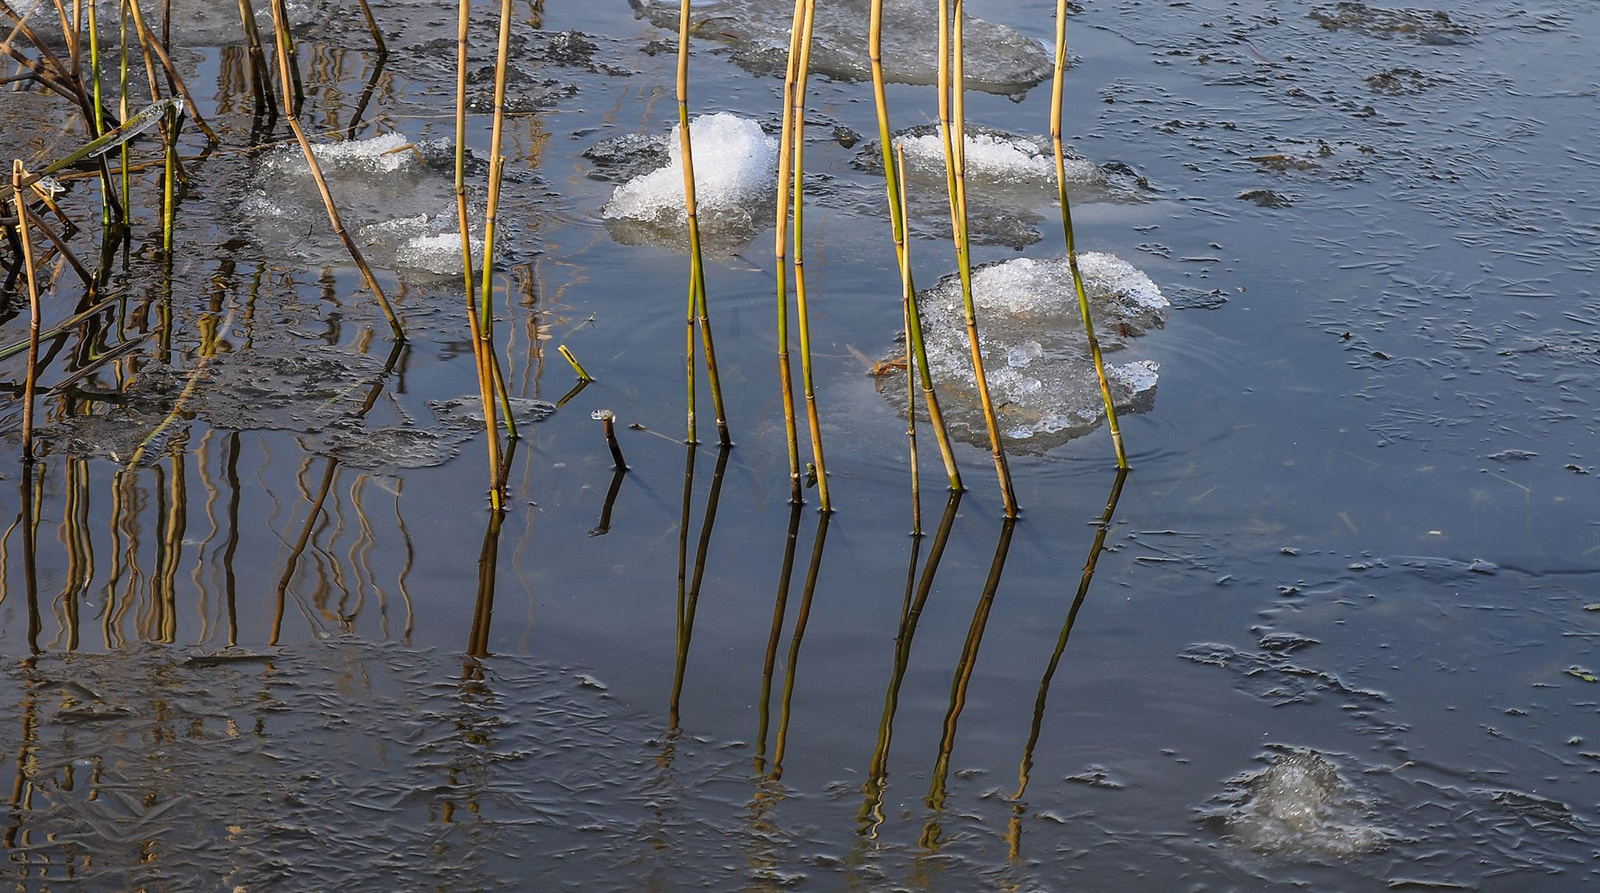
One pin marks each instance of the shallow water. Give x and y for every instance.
(285, 644)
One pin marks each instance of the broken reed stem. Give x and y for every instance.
(697, 271)
(798, 114)
(785, 163)
(952, 115)
(899, 221)
(280, 25)
(1057, 88)
(608, 420)
(31, 382)
(908, 298)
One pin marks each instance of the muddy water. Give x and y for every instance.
(1340, 628)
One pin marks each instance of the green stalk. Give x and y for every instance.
(802, 70)
(896, 185)
(31, 382)
(1057, 87)
(908, 298)
(122, 110)
(497, 166)
(785, 163)
(697, 272)
(99, 110)
(952, 115)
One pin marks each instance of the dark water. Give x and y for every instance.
(1340, 634)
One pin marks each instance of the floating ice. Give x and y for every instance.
(999, 59)
(393, 195)
(1300, 805)
(734, 170)
(1010, 178)
(1036, 357)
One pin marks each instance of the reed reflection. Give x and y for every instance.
(689, 584)
(1102, 528)
(488, 566)
(796, 637)
(933, 831)
(870, 816)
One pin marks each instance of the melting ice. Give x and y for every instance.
(999, 59)
(393, 196)
(735, 165)
(1300, 805)
(1036, 356)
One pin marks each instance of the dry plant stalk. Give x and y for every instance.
(1057, 88)
(281, 28)
(952, 117)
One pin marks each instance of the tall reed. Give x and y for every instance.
(802, 312)
(31, 382)
(1057, 88)
(697, 271)
(908, 301)
(895, 183)
(952, 117)
(280, 25)
(781, 253)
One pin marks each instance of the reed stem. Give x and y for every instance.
(899, 222)
(697, 271)
(31, 382)
(496, 175)
(780, 251)
(908, 300)
(952, 115)
(802, 72)
(1057, 89)
(281, 28)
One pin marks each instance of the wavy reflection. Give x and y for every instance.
(689, 584)
(1102, 528)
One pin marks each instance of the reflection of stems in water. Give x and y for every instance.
(871, 814)
(688, 601)
(260, 77)
(230, 583)
(952, 115)
(800, 620)
(488, 564)
(170, 554)
(1057, 85)
(149, 42)
(604, 526)
(958, 689)
(779, 608)
(80, 545)
(895, 181)
(1102, 528)
(21, 785)
(576, 390)
(30, 545)
(366, 96)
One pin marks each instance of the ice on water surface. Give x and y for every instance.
(394, 196)
(1299, 805)
(1036, 356)
(999, 59)
(735, 165)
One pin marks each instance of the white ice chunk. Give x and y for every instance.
(994, 157)
(734, 170)
(1040, 372)
(1300, 804)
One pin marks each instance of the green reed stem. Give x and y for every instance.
(781, 233)
(150, 43)
(1057, 88)
(697, 271)
(169, 179)
(952, 115)
(908, 298)
(122, 110)
(899, 220)
(31, 382)
(802, 72)
(491, 215)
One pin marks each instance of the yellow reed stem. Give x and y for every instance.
(802, 71)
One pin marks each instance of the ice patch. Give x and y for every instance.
(734, 170)
(1036, 357)
(995, 156)
(999, 59)
(1299, 805)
